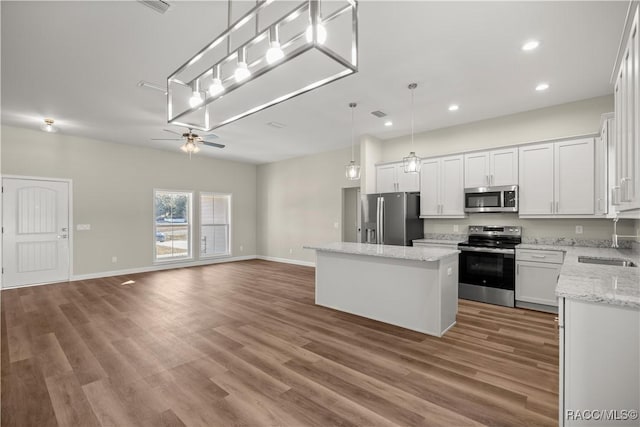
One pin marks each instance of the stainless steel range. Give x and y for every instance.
(487, 264)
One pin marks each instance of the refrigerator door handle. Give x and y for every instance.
(377, 219)
(381, 232)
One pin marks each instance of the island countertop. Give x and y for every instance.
(428, 254)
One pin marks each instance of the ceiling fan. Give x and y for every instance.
(191, 141)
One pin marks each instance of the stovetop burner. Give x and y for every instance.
(492, 236)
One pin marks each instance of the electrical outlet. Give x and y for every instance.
(456, 228)
(290, 251)
(579, 229)
(241, 248)
(336, 225)
(114, 259)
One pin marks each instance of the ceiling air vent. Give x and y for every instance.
(159, 6)
(379, 114)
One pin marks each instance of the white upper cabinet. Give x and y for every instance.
(442, 187)
(504, 167)
(557, 178)
(574, 173)
(430, 187)
(626, 185)
(391, 177)
(476, 170)
(491, 168)
(386, 178)
(536, 179)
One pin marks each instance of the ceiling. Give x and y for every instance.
(80, 62)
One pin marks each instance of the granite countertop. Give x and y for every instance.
(595, 282)
(412, 253)
(439, 241)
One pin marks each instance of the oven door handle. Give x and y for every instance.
(489, 250)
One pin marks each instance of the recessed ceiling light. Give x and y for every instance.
(388, 123)
(530, 45)
(48, 126)
(542, 86)
(454, 107)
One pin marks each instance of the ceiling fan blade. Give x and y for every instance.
(210, 136)
(172, 131)
(213, 144)
(166, 139)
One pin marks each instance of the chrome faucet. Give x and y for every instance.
(615, 236)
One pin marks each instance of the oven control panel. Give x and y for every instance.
(494, 230)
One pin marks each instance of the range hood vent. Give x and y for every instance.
(159, 6)
(379, 114)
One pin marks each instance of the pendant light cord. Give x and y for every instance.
(412, 86)
(352, 105)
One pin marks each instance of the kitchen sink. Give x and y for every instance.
(607, 261)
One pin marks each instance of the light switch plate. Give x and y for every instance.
(579, 229)
(83, 227)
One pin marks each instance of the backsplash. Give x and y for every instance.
(548, 241)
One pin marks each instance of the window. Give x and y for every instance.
(215, 224)
(172, 225)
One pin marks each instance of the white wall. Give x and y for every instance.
(113, 191)
(299, 203)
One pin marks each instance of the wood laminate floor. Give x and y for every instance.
(243, 344)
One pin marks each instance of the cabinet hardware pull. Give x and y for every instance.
(538, 256)
(557, 207)
(551, 207)
(517, 269)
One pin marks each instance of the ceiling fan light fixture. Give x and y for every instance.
(48, 126)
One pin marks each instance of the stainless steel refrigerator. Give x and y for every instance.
(391, 218)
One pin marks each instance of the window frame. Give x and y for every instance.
(229, 252)
(190, 219)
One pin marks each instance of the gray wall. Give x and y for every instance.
(299, 203)
(113, 191)
(299, 199)
(576, 118)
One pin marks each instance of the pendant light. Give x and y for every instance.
(412, 162)
(275, 52)
(216, 87)
(352, 170)
(196, 96)
(242, 72)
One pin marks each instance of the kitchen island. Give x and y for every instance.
(412, 287)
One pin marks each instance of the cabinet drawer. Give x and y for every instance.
(554, 257)
(452, 245)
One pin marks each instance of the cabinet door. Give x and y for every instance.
(635, 37)
(536, 282)
(476, 170)
(386, 178)
(504, 167)
(535, 167)
(574, 177)
(601, 202)
(407, 181)
(452, 187)
(429, 187)
(618, 140)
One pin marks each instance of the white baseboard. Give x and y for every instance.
(159, 267)
(287, 260)
(168, 266)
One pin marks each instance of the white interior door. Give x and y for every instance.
(35, 238)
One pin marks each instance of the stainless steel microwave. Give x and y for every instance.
(491, 199)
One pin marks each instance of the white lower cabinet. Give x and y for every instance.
(599, 363)
(537, 275)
